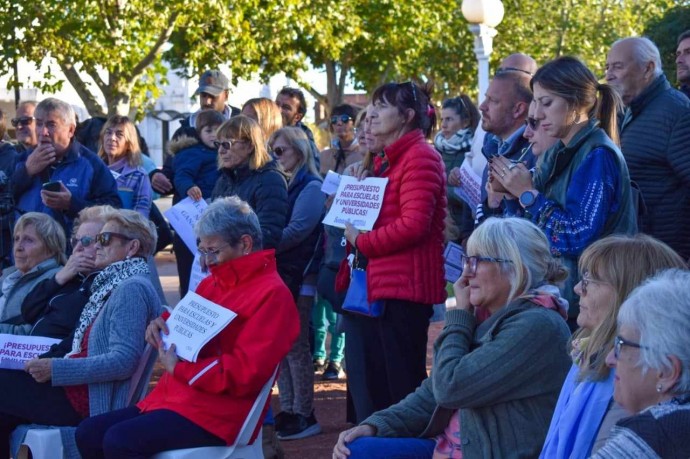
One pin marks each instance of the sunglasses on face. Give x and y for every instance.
(532, 123)
(22, 121)
(85, 241)
(227, 144)
(342, 118)
(106, 238)
(278, 151)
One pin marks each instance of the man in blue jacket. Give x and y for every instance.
(60, 176)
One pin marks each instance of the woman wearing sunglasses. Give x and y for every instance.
(296, 249)
(651, 358)
(581, 190)
(107, 345)
(39, 252)
(493, 386)
(205, 403)
(610, 269)
(55, 304)
(249, 172)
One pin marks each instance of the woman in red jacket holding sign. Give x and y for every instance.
(205, 403)
(386, 355)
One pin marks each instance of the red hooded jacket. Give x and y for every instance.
(217, 391)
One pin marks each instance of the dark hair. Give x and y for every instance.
(412, 96)
(464, 107)
(296, 94)
(208, 117)
(345, 109)
(685, 35)
(521, 85)
(570, 79)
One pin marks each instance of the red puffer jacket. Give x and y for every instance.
(405, 248)
(218, 390)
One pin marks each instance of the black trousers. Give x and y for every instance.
(184, 259)
(25, 401)
(386, 356)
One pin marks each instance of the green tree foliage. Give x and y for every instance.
(664, 31)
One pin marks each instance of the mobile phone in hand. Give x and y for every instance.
(52, 186)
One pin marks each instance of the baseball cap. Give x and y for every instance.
(212, 82)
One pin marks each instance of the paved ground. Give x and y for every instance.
(329, 397)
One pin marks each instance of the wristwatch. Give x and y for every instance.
(528, 198)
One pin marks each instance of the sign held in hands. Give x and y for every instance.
(357, 202)
(15, 350)
(183, 216)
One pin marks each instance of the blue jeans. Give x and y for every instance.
(324, 320)
(128, 433)
(391, 448)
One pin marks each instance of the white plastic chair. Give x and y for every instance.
(46, 443)
(241, 449)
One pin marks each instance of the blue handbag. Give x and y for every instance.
(356, 296)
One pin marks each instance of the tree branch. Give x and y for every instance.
(92, 105)
(310, 89)
(155, 49)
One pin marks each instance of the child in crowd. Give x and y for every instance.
(195, 167)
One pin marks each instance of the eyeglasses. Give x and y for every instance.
(227, 144)
(278, 151)
(22, 121)
(585, 280)
(512, 69)
(470, 263)
(211, 255)
(619, 342)
(85, 241)
(106, 238)
(532, 123)
(342, 118)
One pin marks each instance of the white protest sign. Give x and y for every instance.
(197, 275)
(330, 183)
(453, 261)
(15, 350)
(470, 189)
(192, 324)
(357, 202)
(183, 216)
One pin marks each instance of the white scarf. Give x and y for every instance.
(103, 285)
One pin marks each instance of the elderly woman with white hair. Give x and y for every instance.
(494, 385)
(651, 355)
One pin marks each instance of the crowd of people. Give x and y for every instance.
(566, 196)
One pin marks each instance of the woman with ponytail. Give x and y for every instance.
(580, 191)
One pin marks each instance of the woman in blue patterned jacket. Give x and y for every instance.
(580, 191)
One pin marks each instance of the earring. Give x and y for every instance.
(659, 388)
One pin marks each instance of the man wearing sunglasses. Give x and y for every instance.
(344, 149)
(25, 126)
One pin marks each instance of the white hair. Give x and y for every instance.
(644, 51)
(525, 245)
(62, 108)
(660, 310)
(229, 218)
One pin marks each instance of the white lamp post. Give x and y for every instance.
(483, 16)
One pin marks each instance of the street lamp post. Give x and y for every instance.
(483, 16)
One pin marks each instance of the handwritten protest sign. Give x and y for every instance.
(357, 202)
(15, 350)
(183, 216)
(470, 189)
(192, 324)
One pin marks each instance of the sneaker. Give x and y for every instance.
(319, 365)
(284, 419)
(302, 427)
(332, 372)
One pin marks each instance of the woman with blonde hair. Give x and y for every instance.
(265, 112)
(609, 270)
(119, 149)
(249, 172)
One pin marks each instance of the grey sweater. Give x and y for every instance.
(504, 376)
